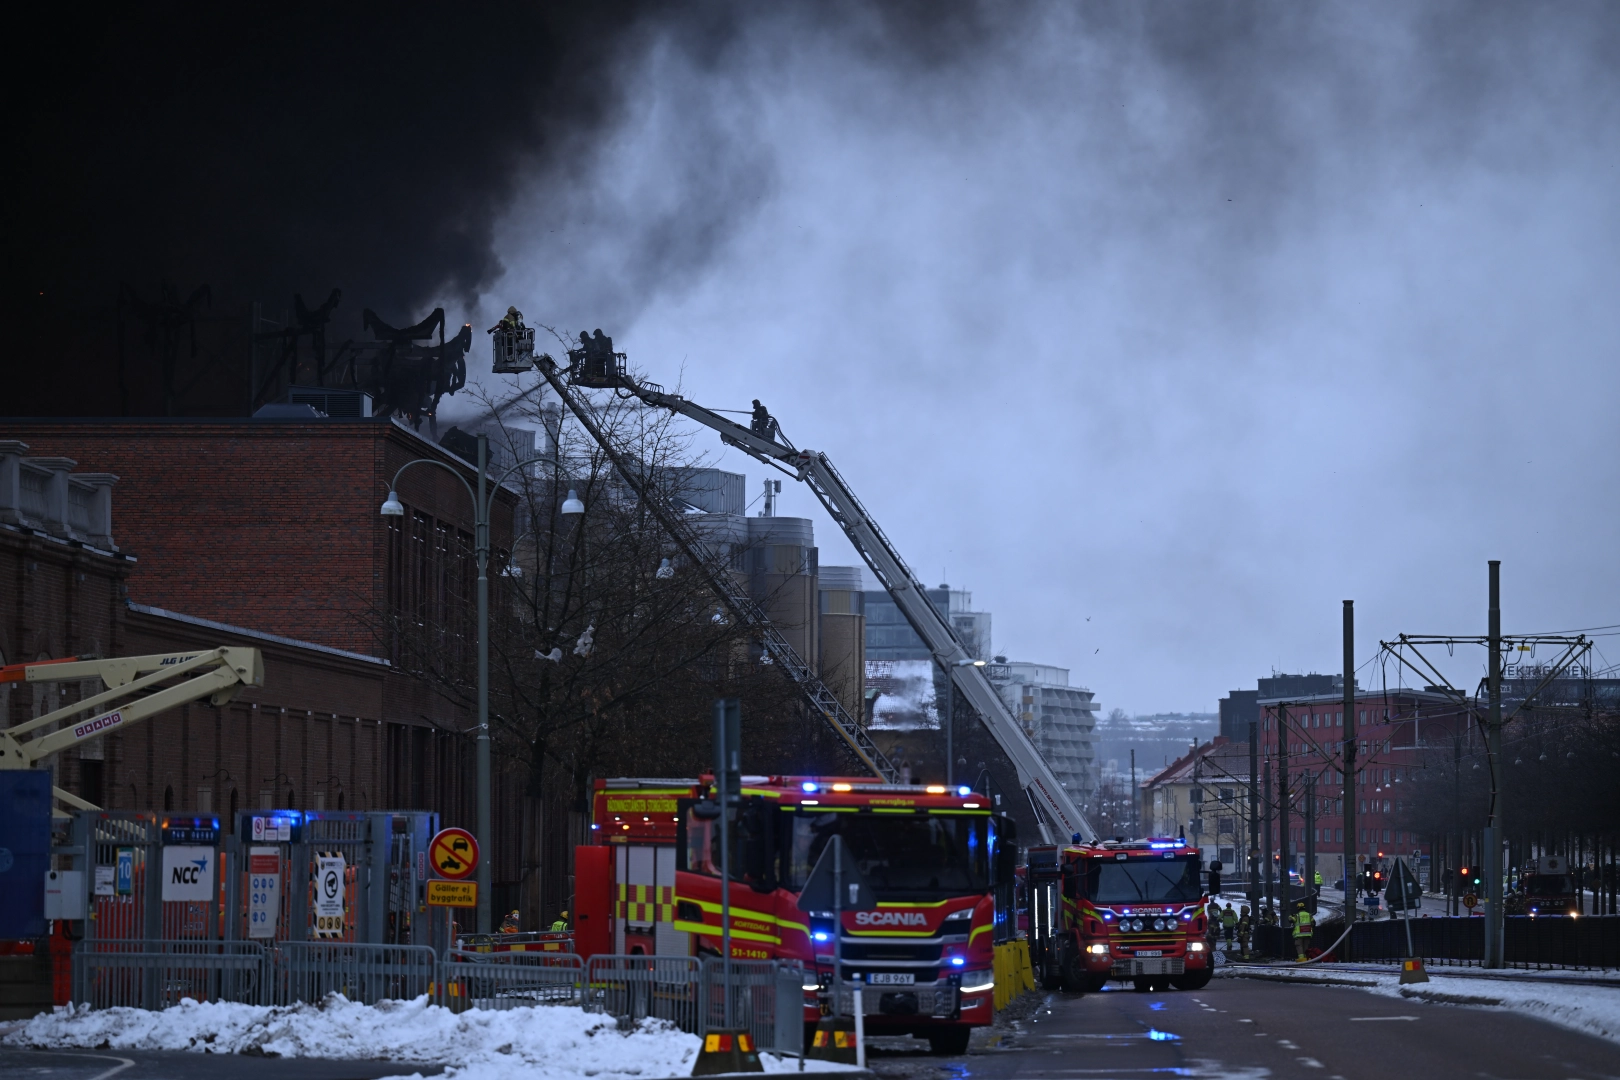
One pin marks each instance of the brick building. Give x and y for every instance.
(262, 533)
(1394, 728)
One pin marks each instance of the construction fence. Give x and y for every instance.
(765, 997)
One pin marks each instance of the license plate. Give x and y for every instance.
(1149, 952)
(889, 978)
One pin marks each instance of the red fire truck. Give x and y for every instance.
(934, 857)
(1120, 909)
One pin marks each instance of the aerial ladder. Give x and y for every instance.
(136, 681)
(736, 601)
(1059, 818)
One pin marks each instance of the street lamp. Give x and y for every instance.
(572, 505)
(392, 507)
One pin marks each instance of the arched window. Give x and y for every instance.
(168, 799)
(340, 799)
(231, 827)
(292, 800)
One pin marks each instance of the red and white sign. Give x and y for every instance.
(453, 854)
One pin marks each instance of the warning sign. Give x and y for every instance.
(453, 854)
(452, 893)
(329, 896)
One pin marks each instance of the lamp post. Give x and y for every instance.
(950, 717)
(481, 506)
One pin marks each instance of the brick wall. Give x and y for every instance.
(272, 525)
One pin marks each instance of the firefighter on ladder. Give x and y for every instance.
(1303, 929)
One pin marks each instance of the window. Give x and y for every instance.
(168, 798)
(1338, 836)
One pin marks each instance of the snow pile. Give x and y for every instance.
(549, 1043)
(1593, 1010)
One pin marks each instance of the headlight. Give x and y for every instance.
(1195, 946)
(977, 982)
(1099, 949)
(1138, 924)
(1159, 924)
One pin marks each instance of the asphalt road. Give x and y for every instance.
(1246, 1029)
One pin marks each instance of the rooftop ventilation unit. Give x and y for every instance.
(345, 404)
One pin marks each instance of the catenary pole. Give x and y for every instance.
(1265, 842)
(1283, 882)
(1494, 834)
(1349, 761)
(1254, 818)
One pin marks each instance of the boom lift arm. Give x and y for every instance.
(216, 674)
(1059, 817)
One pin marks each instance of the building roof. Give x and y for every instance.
(1219, 759)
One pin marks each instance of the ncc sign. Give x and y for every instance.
(188, 873)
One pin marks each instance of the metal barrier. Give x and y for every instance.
(157, 974)
(767, 1000)
(633, 988)
(309, 970)
(507, 980)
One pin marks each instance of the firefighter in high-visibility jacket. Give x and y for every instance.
(1303, 929)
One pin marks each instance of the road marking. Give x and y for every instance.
(1309, 1062)
(1355, 1019)
(123, 1063)
(1244, 1021)
(1286, 1045)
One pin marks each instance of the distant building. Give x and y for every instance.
(843, 634)
(1058, 718)
(1203, 795)
(890, 637)
(1238, 710)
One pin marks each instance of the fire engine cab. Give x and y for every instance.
(1120, 909)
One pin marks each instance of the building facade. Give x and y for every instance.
(263, 533)
(1059, 719)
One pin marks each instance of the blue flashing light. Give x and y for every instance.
(1162, 1036)
(957, 961)
(1108, 916)
(822, 935)
(1161, 845)
(964, 790)
(810, 787)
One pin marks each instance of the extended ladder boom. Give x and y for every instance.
(216, 674)
(1060, 818)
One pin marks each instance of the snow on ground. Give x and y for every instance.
(549, 1043)
(1593, 1010)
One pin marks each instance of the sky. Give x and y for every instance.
(1163, 329)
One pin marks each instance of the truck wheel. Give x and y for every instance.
(951, 1040)
(1191, 980)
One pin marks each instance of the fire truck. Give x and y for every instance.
(1546, 888)
(935, 858)
(1118, 909)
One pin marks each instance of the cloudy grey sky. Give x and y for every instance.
(1162, 328)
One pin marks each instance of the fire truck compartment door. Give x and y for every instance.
(671, 942)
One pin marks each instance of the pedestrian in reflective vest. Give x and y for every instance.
(1303, 929)
(1245, 931)
(1229, 922)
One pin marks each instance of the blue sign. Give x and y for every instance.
(194, 830)
(124, 880)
